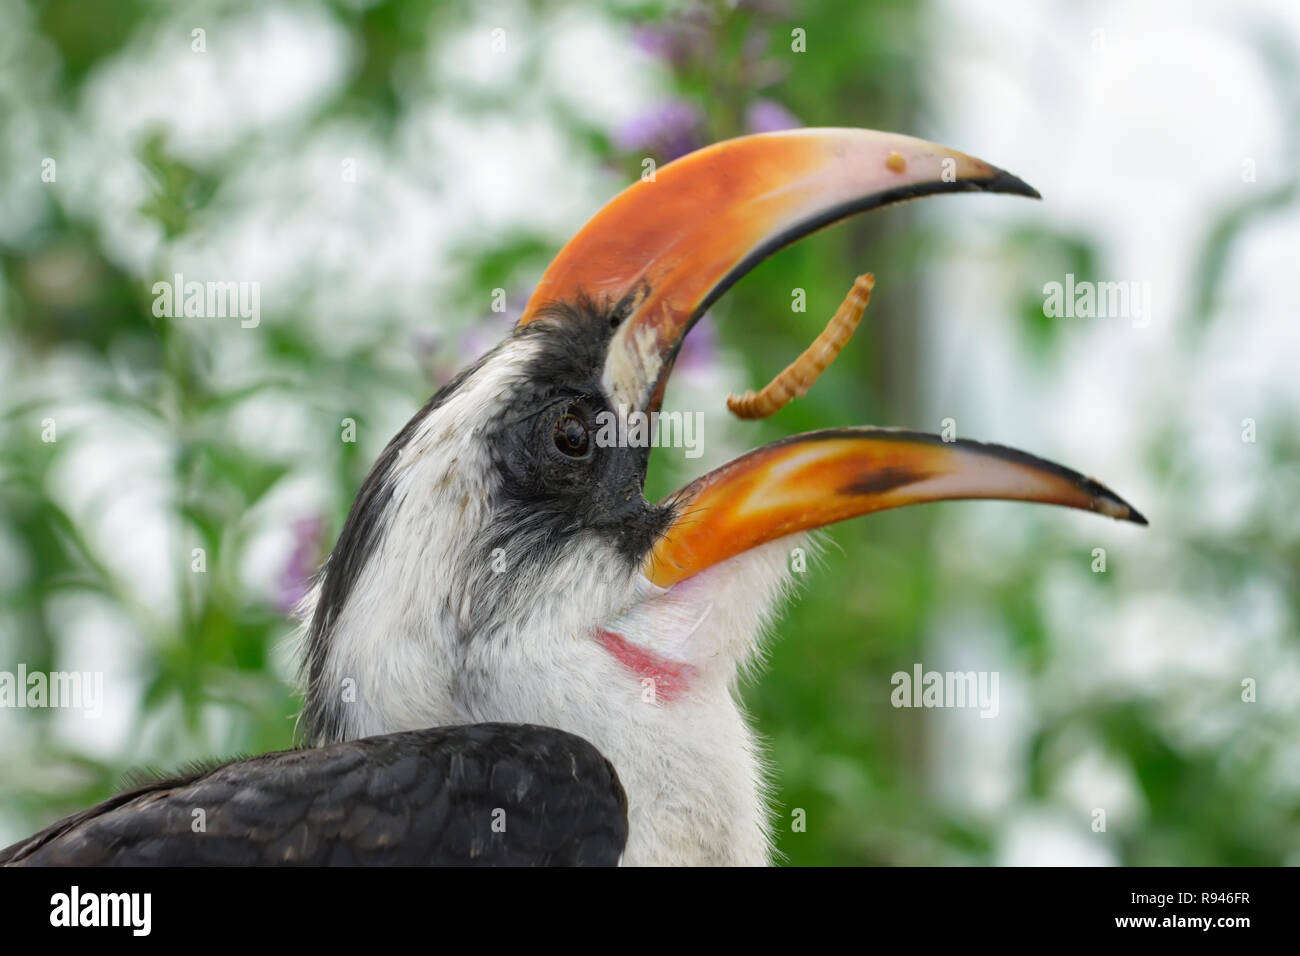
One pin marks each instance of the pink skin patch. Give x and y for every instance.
(670, 677)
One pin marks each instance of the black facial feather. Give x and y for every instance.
(546, 495)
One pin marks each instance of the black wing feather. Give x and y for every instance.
(486, 794)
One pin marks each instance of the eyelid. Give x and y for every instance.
(578, 402)
(526, 416)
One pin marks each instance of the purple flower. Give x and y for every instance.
(654, 40)
(686, 40)
(296, 577)
(668, 130)
(768, 116)
(699, 352)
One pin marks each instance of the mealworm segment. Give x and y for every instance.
(797, 377)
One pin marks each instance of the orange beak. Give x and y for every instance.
(662, 251)
(816, 479)
(665, 249)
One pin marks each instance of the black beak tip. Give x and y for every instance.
(1004, 182)
(1106, 502)
(1137, 517)
(1114, 506)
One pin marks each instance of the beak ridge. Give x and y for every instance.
(668, 246)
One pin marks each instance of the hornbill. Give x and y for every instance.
(512, 656)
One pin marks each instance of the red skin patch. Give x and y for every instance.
(670, 677)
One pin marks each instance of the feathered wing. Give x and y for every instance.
(485, 794)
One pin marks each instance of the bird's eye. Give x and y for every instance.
(571, 435)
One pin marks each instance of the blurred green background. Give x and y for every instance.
(380, 168)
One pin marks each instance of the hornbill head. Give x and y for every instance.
(501, 562)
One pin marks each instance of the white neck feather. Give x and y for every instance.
(400, 657)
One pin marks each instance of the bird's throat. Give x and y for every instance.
(660, 676)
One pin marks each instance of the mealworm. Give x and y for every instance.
(800, 374)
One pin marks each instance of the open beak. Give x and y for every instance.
(662, 251)
(816, 479)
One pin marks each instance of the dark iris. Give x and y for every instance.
(571, 435)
